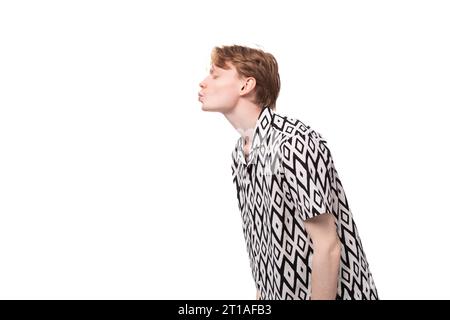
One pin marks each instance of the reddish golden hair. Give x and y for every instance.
(251, 62)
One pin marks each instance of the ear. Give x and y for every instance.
(248, 85)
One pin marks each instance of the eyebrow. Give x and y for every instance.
(212, 69)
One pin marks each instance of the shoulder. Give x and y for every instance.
(299, 138)
(289, 126)
(294, 130)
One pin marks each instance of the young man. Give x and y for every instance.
(299, 231)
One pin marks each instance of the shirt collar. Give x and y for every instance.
(263, 124)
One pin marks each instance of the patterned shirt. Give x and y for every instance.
(289, 177)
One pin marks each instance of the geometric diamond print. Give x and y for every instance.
(289, 176)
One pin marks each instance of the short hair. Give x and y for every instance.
(252, 62)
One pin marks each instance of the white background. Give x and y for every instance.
(115, 185)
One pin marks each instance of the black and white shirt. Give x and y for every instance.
(289, 177)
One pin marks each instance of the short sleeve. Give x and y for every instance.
(305, 162)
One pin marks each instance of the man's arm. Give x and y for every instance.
(326, 256)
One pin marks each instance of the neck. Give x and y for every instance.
(243, 118)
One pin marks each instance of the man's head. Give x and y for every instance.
(240, 74)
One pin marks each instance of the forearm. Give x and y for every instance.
(325, 273)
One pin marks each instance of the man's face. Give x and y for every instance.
(220, 89)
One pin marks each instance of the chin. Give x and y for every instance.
(209, 108)
(220, 109)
